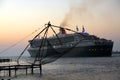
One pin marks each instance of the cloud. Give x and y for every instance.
(96, 10)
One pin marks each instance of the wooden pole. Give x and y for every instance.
(9, 71)
(40, 68)
(26, 70)
(4, 72)
(15, 70)
(32, 69)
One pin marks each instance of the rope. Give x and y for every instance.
(42, 43)
(28, 44)
(56, 55)
(10, 47)
(53, 56)
(48, 58)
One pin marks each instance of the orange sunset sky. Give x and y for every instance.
(19, 18)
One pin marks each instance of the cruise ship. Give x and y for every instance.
(77, 44)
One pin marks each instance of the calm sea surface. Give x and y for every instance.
(89, 68)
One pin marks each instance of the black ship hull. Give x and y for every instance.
(81, 51)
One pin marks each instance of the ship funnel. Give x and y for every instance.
(62, 30)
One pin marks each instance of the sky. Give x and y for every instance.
(19, 18)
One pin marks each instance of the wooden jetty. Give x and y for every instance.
(14, 68)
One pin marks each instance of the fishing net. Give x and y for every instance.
(54, 53)
(47, 51)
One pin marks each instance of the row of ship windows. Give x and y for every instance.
(98, 49)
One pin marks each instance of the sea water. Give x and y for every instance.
(83, 68)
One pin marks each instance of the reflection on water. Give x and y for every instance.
(89, 68)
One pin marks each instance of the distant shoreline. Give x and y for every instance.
(115, 52)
